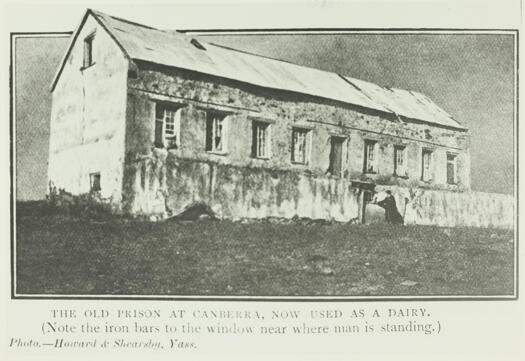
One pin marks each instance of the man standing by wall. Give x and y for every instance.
(391, 213)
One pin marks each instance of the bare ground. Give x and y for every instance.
(61, 254)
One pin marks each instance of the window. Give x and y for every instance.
(94, 182)
(336, 156)
(300, 147)
(216, 133)
(88, 50)
(260, 139)
(370, 157)
(400, 161)
(167, 126)
(197, 44)
(452, 169)
(426, 165)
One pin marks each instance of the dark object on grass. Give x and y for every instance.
(391, 213)
(195, 212)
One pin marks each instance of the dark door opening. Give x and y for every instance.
(366, 195)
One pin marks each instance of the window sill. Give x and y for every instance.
(87, 67)
(401, 176)
(167, 148)
(261, 158)
(299, 163)
(215, 152)
(370, 172)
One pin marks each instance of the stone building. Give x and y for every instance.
(157, 121)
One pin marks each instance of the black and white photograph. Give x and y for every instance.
(295, 180)
(263, 164)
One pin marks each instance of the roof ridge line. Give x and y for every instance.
(100, 13)
(258, 55)
(270, 58)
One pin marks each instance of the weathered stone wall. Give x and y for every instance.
(88, 118)
(164, 183)
(447, 209)
(237, 185)
(327, 118)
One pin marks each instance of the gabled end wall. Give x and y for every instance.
(88, 114)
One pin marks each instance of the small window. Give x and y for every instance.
(94, 182)
(370, 157)
(426, 165)
(167, 126)
(400, 168)
(452, 168)
(88, 50)
(216, 133)
(336, 156)
(260, 140)
(197, 44)
(300, 146)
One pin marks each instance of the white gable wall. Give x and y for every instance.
(88, 117)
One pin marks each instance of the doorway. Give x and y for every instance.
(366, 195)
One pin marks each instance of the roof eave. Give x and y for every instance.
(458, 128)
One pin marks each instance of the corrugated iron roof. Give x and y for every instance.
(174, 49)
(406, 103)
(177, 50)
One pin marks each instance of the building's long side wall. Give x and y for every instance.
(244, 103)
(88, 118)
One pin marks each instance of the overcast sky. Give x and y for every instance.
(470, 76)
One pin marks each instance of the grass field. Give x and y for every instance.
(59, 254)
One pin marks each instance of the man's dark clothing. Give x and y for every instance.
(391, 213)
